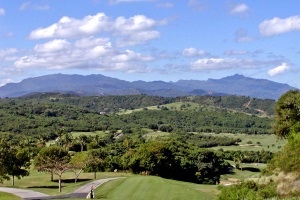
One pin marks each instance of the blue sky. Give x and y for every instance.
(151, 40)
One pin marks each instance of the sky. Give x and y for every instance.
(151, 40)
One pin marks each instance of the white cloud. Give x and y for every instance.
(97, 54)
(277, 26)
(2, 11)
(5, 81)
(52, 46)
(239, 8)
(192, 52)
(69, 27)
(278, 70)
(208, 64)
(28, 5)
(129, 31)
(7, 52)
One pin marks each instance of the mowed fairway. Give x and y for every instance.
(7, 196)
(153, 187)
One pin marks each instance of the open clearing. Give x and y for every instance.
(259, 142)
(153, 187)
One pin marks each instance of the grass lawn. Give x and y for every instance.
(7, 196)
(41, 181)
(153, 187)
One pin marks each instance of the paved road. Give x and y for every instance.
(81, 192)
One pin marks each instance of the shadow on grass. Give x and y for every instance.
(251, 169)
(44, 186)
(71, 180)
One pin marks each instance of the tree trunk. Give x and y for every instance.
(13, 180)
(95, 175)
(59, 183)
(51, 176)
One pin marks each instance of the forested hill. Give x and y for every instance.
(44, 114)
(112, 104)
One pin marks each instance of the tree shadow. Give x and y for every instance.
(44, 186)
(72, 180)
(251, 169)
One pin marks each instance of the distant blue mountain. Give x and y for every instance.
(103, 85)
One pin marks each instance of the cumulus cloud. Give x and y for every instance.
(277, 26)
(2, 11)
(278, 70)
(130, 31)
(192, 52)
(86, 53)
(68, 27)
(52, 46)
(239, 9)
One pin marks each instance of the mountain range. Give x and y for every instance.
(97, 84)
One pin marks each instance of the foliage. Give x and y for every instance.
(288, 114)
(14, 161)
(54, 160)
(248, 190)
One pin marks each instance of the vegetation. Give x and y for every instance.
(285, 163)
(7, 196)
(166, 137)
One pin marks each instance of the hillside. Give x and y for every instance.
(44, 113)
(103, 85)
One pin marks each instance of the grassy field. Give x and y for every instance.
(7, 196)
(153, 187)
(266, 142)
(94, 133)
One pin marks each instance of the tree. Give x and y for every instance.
(79, 161)
(13, 161)
(54, 160)
(287, 114)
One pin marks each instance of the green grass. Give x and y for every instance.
(154, 135)
(267, 142)
(7, 196)
(41, 181)
(248, 171)
(153, 187)
(94, 133)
